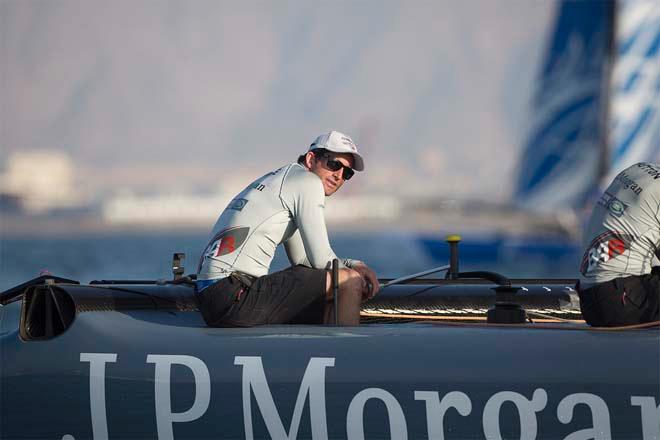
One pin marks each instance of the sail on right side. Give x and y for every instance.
(635, 87)
(563, 158)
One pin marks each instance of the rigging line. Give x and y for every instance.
(415, 275)
(419, 291)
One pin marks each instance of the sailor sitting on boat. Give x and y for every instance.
(618, 285)
(285, 206)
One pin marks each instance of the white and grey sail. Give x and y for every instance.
(563, 156)
(635, 89)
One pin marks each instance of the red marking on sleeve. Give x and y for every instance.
(615, 247)
(227, 246)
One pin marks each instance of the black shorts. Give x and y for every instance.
(622, 301)
(292, 296)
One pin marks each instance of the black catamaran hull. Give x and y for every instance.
(137, 361)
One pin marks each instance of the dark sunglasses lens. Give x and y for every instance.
(335, 165)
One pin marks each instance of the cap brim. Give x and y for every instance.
(358, 163)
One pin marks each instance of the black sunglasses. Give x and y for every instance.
(335, 165)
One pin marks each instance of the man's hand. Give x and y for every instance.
(370, 279)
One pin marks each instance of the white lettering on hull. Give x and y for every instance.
(313, 384)
(650, 416)
(599, 413)
(97, 363)
(527, 410)
(164, 415)
(312, 389)
(355, 417)
(436, 409)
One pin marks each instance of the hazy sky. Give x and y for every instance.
(163, 93)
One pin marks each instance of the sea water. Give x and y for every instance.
(148, 256)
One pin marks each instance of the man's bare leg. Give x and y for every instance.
(349, 297)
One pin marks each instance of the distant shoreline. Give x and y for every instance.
(32, 227)
(21, 227)
(426, 220)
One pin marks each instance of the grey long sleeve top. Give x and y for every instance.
(285, 206)
(623, 234)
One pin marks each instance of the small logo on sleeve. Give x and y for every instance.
(237, 204)
(615, 206)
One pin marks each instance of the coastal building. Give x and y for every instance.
(40, 181)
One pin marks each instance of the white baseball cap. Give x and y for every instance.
(339, 143)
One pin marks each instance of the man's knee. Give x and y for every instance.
(349, 277)
(350, 282)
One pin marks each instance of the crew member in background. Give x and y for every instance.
(285, 206)
(618, 283)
